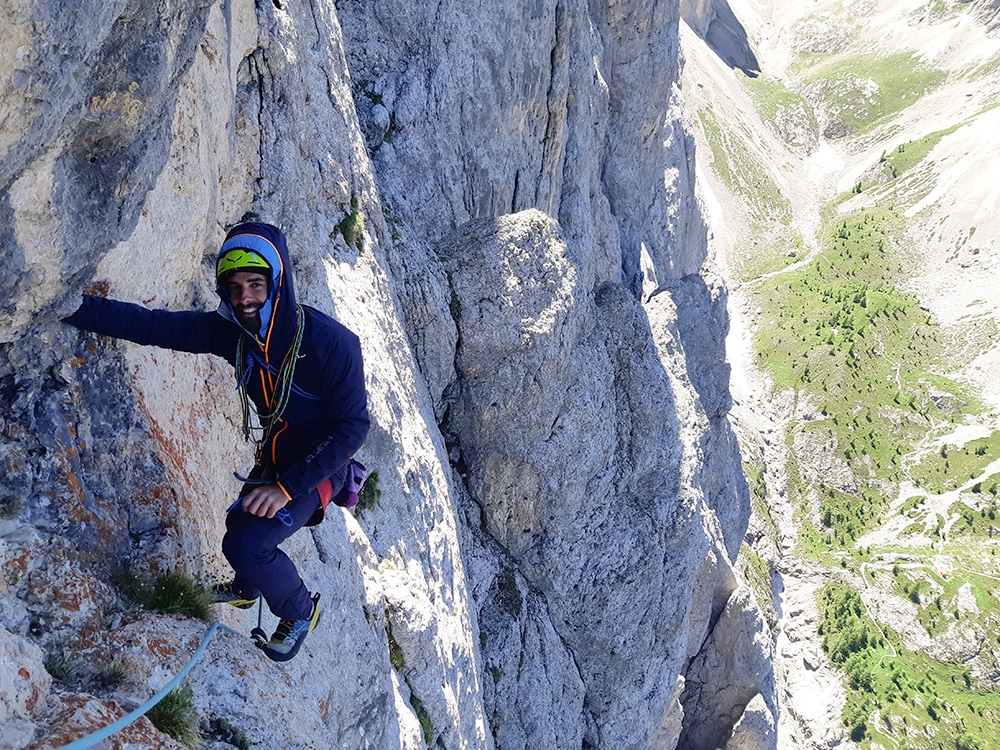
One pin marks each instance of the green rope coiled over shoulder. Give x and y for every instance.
(281, 394)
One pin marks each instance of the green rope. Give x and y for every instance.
(282, 390)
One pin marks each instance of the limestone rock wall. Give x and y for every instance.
(989, 12)
(501, 204)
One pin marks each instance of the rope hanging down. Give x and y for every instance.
(110, 729)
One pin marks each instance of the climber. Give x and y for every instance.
(303, 373)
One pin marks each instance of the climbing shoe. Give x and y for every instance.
(222, 593)
(290, 634)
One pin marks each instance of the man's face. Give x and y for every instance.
(247, 294)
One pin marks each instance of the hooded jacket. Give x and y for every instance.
(326, 418)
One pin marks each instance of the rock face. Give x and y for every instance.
(582, 480)
(715, 22)
(508, 220)
(23, 684)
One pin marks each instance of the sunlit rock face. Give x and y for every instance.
(508, 220)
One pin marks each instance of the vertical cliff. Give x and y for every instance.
(500, 202)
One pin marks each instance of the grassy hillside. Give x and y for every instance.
(893, 462)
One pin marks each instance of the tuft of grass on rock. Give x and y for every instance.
(369, 495)
(10, 506)
(63, 667)
(426, 724)
(172, 593)
(219, 730)
(115, 673)
(177, 716)
(352, 227)
(395, 652)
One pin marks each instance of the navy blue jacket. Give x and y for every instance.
(326, 419)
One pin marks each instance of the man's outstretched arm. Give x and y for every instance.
(188, 331)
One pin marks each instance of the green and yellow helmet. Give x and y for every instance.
(240, 259)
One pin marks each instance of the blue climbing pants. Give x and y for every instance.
(251, 547)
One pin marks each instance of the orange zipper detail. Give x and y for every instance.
(263, 387)
(267, 343)
(274, 442)
(268, 382)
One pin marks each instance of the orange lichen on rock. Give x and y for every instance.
(61, 583)
(161, 648)
(20, 562)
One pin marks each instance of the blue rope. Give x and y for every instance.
(110, 729)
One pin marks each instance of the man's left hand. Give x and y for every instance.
(265, 500)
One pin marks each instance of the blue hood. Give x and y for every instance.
(277, 316)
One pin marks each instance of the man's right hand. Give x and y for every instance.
(265, 500)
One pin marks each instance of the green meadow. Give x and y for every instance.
(869, 369)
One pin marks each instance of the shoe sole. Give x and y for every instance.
(241, 603)
(233, 601)
(238, 603)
